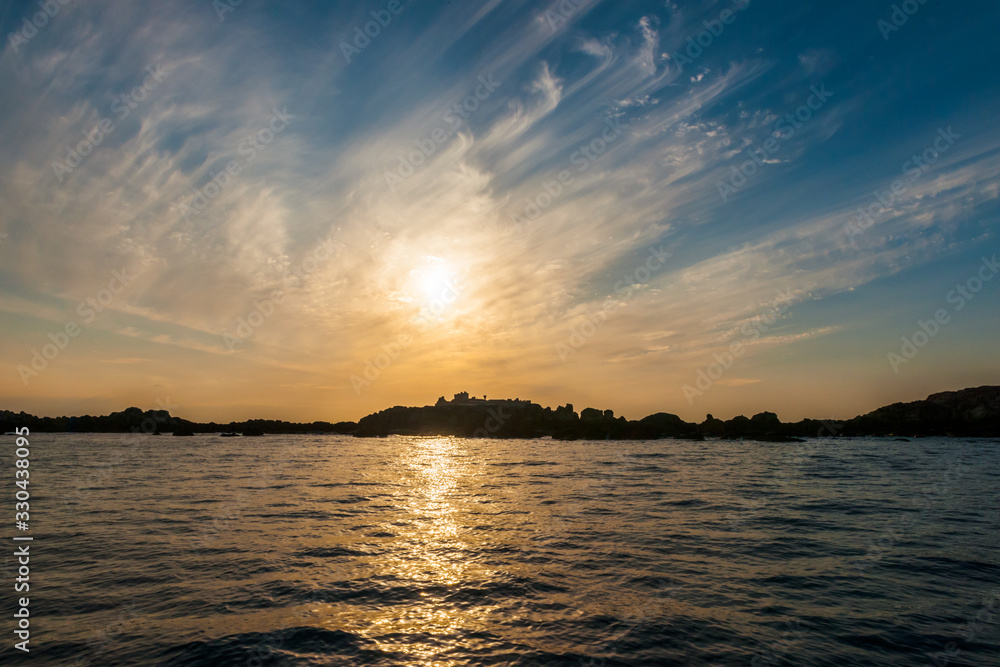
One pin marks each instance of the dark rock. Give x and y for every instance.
(971, 412)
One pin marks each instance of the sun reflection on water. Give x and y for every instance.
(434, 551)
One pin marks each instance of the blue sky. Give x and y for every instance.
(321, 213)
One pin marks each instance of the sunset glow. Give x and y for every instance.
(556, 207)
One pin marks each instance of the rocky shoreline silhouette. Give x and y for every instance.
(973, 412)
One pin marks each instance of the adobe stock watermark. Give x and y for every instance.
(105, 470)
(374, 366)
(971, 630)
(249, 149)
(915, 168)
(409, 163)
(494, 421)
(101, 639)
(632, 614)
(931, 497)
(436, 308)
(372, 29)
(900, 14)
(749, 332)
(223, 7)
(784, 130)
(122, 106)
(776, 652)
(959, 297)
(704, 39)
(558, 17)
(263, 309)
(582, 159)
(625, 288)
(88, 309)
(224, 516)
(390, 352)
(30, 28)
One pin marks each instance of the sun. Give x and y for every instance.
(434, 283)
(435, 279)
(434, 287)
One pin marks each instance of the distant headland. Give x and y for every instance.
(973, 412)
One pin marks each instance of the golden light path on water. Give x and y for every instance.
(465, 530)
(432, 552)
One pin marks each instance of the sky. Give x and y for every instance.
(313, 211)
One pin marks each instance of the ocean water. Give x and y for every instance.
(328, 550)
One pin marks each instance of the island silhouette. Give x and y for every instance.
(973, 412)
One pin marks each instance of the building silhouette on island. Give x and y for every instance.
(463, 398)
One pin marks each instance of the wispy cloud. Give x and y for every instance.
(323, 180)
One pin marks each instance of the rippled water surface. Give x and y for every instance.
(315, 550)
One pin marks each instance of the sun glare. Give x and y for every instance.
(434, 288)
(434, 281)
(434, 284)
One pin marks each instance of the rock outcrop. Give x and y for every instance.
(971, 412)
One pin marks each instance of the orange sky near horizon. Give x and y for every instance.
(237, 219)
